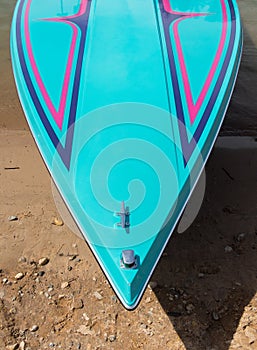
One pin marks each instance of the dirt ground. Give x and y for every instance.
(203, 294)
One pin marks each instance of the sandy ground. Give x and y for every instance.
(203, 292)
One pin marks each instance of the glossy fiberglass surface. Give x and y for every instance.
(125, 99)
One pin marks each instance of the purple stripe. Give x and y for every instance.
(188, 147)
(82, 23)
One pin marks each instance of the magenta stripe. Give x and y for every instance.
(193, 108)
(58, 114)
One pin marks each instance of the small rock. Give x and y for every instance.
(85, 330)
(77, 304)
(41, 273)
(43, 261)
(240, 237)
(13, 346)
(72, 257)
(190, 308)
(13, 310)
(65, 285)
(12, 218)
(5, 280)
(200, 275)
(251, 334)
(51, 345)
(61, 296)
(215, 316)
(22, 345)
(2, 294)
(148, 300)
(228, 249)
(98, 295)
(19, 276)
(57, 222)
(85, 316)
(112, 338)
(114, 299)
(153, 285)
(34, 328)
(22, 259)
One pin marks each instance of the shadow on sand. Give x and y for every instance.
(208, 274)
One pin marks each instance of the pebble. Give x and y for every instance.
(148, 300)
(13, 346)
(72, 257)
(65, 285)
(13, 310)
(34, 328)
(114, 299)
(251, 334)
(19, 276)
(41, 273)
(22, 259)
(215, 316)
(57, 222)
(85, 330)
(240, 237)
(22, 345)
(43, 261)
(112, 338)
(77, 304)
(228, 249)
(190, 308)
(12, 218)
(98, 295)
(5, 280)
(85, 316)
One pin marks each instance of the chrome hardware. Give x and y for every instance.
(128, 259)
(124, 216)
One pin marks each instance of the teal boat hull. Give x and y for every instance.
(125, 101)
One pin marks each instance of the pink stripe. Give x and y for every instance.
(58, 115)
(193, 108)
